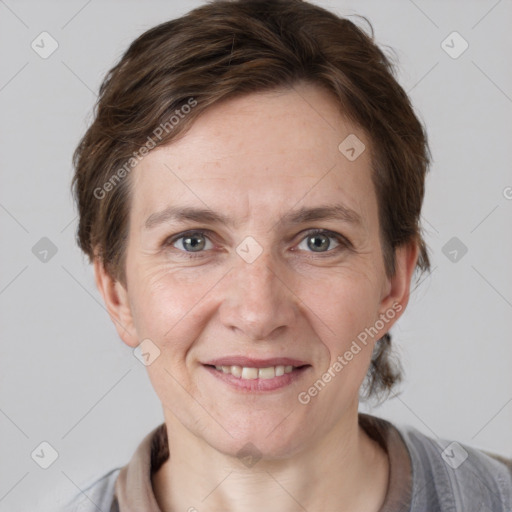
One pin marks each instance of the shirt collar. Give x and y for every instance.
(133, 489)
(134, 492)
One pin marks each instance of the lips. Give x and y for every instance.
(257, 380)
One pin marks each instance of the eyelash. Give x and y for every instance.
(344, 242)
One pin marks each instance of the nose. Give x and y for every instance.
(259, 302)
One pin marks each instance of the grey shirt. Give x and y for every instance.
(425, 475)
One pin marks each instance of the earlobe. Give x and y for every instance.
(399, 286)
(115, 297)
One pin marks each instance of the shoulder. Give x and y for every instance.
(450, 476)
(97, 494)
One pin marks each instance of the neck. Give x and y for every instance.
(345, 471)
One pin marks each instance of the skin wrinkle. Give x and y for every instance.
(299, 305)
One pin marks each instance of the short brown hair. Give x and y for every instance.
(229, 48)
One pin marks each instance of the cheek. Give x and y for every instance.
(347, 299)
(348, 305)
(172, 309)
(167, 303)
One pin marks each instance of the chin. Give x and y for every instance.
(270, 440)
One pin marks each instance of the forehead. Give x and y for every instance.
(264, 153)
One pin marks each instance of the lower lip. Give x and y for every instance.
(258, 384)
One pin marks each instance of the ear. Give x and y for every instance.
(115, 296)
(397, 288)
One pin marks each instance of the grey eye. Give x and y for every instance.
(318, 242)
(191, 243)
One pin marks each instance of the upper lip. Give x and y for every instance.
(250, 362)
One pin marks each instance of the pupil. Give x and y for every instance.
(319, 242)
(192, 241)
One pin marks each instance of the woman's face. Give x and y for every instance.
(258, 289)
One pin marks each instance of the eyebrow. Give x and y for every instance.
(300, 216)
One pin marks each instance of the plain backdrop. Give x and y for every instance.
(66, 378)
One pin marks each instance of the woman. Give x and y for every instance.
(249, 194)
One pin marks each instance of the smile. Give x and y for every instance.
(245, 372)
(257, 379)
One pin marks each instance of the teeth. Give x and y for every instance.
(267, 373)
(236, 371)
(249, 373)
(245, 372)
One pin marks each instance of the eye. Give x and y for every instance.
(319, 241)
(191, 242)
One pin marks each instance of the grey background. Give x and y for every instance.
(66, 378)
